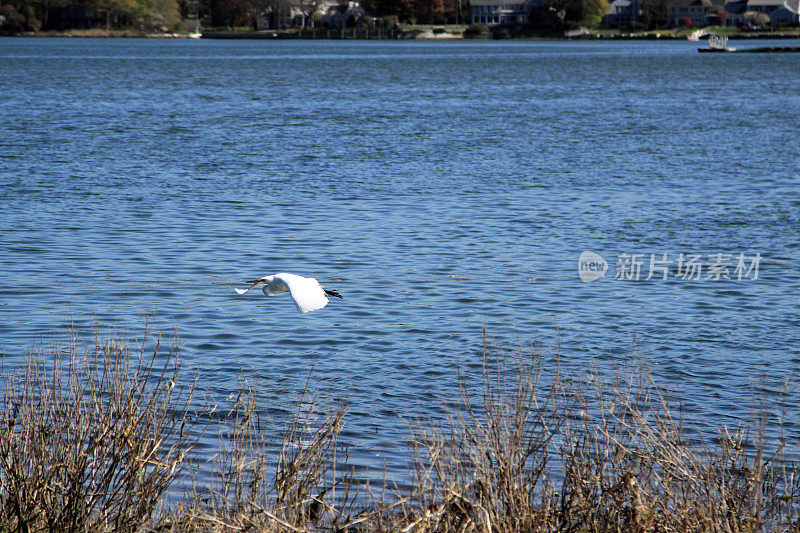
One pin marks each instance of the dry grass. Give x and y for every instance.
(93, 441)
(583, 454)
(488, 467)
(252, 490)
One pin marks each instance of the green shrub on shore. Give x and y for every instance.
(92, 440)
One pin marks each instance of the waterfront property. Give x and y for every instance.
(786, 15)
(343, 14)
(623, 13)
(696, 11)
(495, 12)
(733, 13)
(312, 13)
(780, 12)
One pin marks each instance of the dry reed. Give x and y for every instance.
(294, 492)
(93, 441)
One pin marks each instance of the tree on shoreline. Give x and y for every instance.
(37, 15)
(114, 10)
(654, 13)
(230, 13)
(576, 13)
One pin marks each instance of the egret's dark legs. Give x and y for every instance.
(332, 293)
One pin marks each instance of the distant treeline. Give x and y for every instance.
(42, 15)
(167, 15)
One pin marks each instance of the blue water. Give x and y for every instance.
(442, 188)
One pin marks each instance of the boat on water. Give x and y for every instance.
(196, 33)
(580, 32)
(717, 43)
(695, 35)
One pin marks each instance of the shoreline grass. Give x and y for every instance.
(92, 438)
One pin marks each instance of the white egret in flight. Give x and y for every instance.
(307, 293)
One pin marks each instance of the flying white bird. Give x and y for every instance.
(307, 293)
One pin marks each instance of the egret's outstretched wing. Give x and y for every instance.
(306, 292)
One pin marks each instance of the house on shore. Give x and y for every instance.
(496, 12)
(310, 13)
(623, 14)
(734, 12)
(786, 15)
(279, 17)
(343, 15)
(780, 12)
(695, 10)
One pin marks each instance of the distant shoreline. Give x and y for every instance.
(385, 34)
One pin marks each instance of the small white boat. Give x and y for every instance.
(695, 35)
(717, 43)
(580, 32)
(196, 33)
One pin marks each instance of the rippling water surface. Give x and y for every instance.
(441, 188)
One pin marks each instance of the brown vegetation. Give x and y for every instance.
(93, 441)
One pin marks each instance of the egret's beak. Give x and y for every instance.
(254, 281)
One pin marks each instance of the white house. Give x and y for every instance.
(302, 13)
(493, 12)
